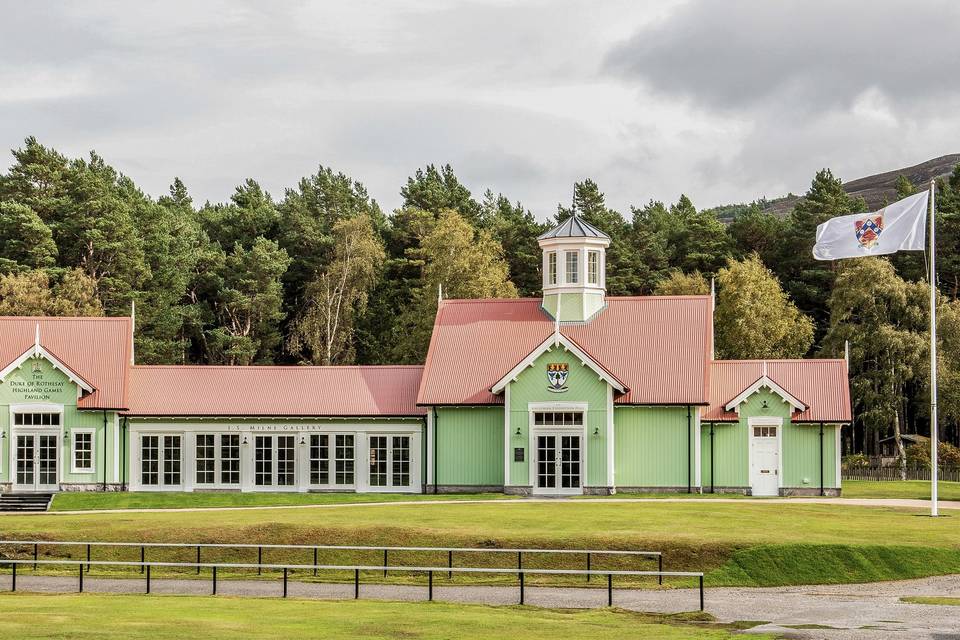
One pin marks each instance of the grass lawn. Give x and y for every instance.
(174, 617)
(744, 543)
(944, 600)
(91, 500)
(917, 489)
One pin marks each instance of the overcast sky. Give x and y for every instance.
(725, 101)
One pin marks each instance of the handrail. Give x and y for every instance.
(246, 545)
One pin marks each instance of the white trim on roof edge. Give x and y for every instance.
(764, 381)
(545, 346)
(37, 351)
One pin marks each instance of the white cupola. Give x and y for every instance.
(574, 270)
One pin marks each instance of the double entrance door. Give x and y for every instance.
(36, 461)
(558, 463)
(389, 462)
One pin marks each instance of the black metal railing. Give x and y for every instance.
(892, 472)
(589, 555)
(520, 573)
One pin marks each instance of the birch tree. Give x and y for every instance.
(323, 333)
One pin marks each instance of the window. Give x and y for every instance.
(206, 458)
(378, 461)
(319, 458)
(286, 476)
(573, 267)
(401, 461)
(593, 267)
(344, 459)
(150, 460)
(171, 460)
(263, 461)
(82, 451)
(764, 432)
(558, 418)
(230, 458)
(552, 267)
(45, 419)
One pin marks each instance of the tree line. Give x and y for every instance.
(322, 275)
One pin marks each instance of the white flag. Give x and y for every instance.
(901, 226)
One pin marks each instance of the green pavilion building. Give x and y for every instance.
(574, 392)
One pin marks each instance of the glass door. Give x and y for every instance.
(389, 462)
(559, 463)
(36, 462)
(274, 461)
(161, 461)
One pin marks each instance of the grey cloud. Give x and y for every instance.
(805, 56)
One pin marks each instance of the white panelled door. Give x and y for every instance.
(765, 460)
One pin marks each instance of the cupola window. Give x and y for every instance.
(552, 267)
(573, 267)
(593, 267)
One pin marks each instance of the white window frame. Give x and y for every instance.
(218, 460)
(187, 469)
(552, 269)
(575, 255)
(43, 407)
(73, 451)
(593, 267)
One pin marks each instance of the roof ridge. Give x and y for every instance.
(761, 361)
(242, 367)
(64, 318)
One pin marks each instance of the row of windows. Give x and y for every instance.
(36, 419)
(572, 267)
(558, 418)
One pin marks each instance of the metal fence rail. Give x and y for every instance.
(589, 554)
(892, 472)
(356, 569)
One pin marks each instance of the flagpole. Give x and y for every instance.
(933, 354)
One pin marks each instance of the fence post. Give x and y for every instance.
(81, 577)
(198, 559)
(148, 579)
(259, 560)
(519, 560)
(284, 582)
(356, 584)
(13, 583)
(430, 586)
(214, 580)
(314, 561)
(701, 593)
(609, 589)
(450, 564)
(142, 556)
(384, 563)
(35, 553)
(660, 568)
(521, 587)
(88, 557)
(588, 566)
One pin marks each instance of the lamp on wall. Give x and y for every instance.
(518, 434)
(764, 405)
(245, 441)
(303, 441)
(66, 435)
(596, 431)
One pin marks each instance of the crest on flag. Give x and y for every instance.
(868, 229)
(557, 376)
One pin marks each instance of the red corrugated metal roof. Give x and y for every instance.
(96, 349)
(822, 385)
(274, 391)
(659, 346)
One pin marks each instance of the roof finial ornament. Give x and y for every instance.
(764, 368)
(439, 293)
(36, 339)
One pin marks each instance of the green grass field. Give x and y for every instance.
(91, 500)
(940, 600)
(747, 543)
(173, 617)
(916, 489)
(83, 501)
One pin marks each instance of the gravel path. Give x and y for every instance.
(851, 612)
(850, 502)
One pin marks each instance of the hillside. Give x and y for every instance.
(875, 189)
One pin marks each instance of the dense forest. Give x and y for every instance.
(322, 275)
